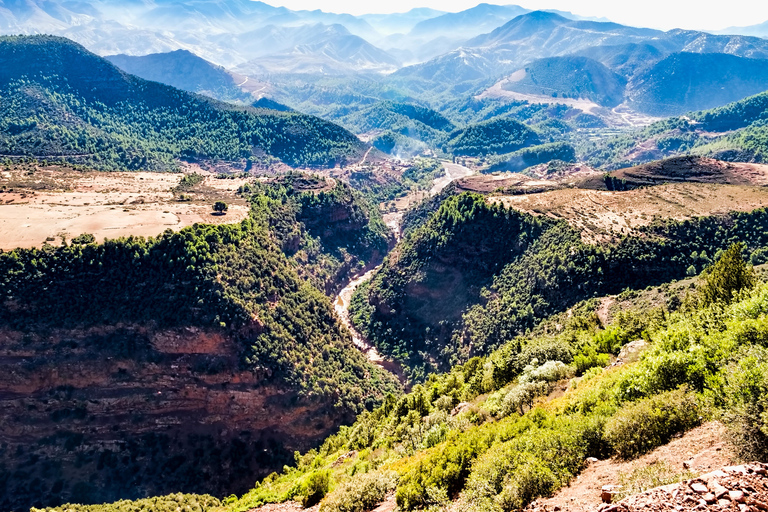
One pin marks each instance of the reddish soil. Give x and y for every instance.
(703, 449)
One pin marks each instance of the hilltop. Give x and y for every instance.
(65, 103)
(183, 70)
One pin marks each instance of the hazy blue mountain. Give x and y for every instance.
(540, 34)
(759, 30)
(701, 42)
(526, 38)
(183, 70)
(569, 77)
(625, 59)
(696, 81)
(470, 22)
(339, 53)
(400, 23)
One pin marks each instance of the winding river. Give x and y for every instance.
(341, 304)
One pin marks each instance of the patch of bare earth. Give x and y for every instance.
(288, 506)
(699, 451)
(50, 203)
(695, 169)
(601, 215)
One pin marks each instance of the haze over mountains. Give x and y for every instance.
(423, 56)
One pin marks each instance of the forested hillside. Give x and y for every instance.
(491, 434)
(734, 132)
(328, 229)
(475, 275)
(491, 138)
(229, 332)
(61, 102)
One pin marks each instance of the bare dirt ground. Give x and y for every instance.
(47, 203)
(695, 169)
(601, 214)
(702, 449)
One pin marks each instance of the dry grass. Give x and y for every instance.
(600, 215)
(48, 203)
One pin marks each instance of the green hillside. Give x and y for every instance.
(61, 102)
(407, 129)
(256, 286)
(733, 132)
(475, 275)
(534, 155)
(486, 434)
(497, 136)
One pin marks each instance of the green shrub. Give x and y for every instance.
(313, 488)
(520, 396)
(361, 493)
(546, 350)
(589, 358)
(729, 275)
(551, 371)
(170, 503)
(747, 400)
(641, 426)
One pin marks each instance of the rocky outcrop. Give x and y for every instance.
(127, 411)
(737, 488)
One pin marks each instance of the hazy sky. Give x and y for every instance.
(664, 14)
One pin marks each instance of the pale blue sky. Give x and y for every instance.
(664, 14)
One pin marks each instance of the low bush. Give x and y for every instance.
(641, 426)
(361, 493)
(551, 371)
(313, 488)
(747, 399)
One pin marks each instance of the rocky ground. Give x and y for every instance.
(699, 451)
(738, 488)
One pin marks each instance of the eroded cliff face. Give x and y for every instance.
(128, 411)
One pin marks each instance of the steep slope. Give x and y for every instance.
(569, 77)
(684, 82)
(183, 70)
(195, 360)
(63, 102)
(475, 275)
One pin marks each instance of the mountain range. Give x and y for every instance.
(423, 54)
